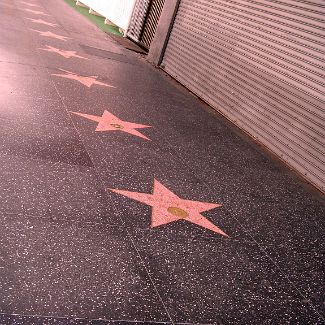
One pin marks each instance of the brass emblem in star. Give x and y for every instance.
(168, 207)
(86, 81)
(109, 122)
(65, 54)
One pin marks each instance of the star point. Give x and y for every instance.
(36, 12)
(65, 54)
(51, 35)
(86, 81)
(29, 4)
(43, 22)
(167, 207)
(110, 122)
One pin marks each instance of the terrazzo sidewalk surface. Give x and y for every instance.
(126, 200)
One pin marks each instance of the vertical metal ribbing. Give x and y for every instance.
(137, 20)
(151, 22)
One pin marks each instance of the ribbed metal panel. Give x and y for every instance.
(261, 64)
(137, 20)
(151, 22)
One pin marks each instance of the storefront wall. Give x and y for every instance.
(260, 64)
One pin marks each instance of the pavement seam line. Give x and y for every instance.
(93, 319)
(103, 187)
(114, 207)
(184, 161)
(99, 178)
(206, 185)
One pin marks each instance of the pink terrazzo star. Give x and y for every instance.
(51, 35)
(29, 4)
(168, 207)
(66, 54)
(43, 22)
(36, 12)
(87, 81)
(109, 122)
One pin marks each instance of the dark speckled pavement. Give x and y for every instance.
(79, 243)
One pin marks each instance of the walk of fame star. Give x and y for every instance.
(51, 35)
(168, 207)
(41, 21)
(36, 12)
(66, 54)
(109, 122)
(87, 81)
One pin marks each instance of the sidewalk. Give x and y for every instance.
(126, 200)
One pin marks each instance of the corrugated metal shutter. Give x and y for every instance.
(261, 64)
(151, 22)
(137, 19)
(144, 21)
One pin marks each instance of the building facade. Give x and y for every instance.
(260, 64)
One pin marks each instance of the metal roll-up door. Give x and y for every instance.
(144, 21)
(137, 19)
(261, 64)
(151, 22)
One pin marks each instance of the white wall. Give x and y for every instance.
(117, 11)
